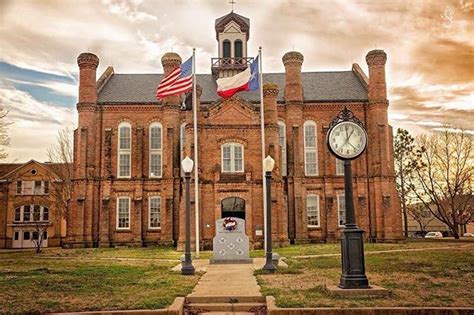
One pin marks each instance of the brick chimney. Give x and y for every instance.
(270, 94)
(293, 61)
(170, 61)
(377, 87)
(87, 63)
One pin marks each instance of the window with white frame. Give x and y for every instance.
(310, 149)
(30, 187)
(232, 157)
(341, 209)
(154, 208)
(123, 213)
(156, 150)
(312, 210)
(31, 213)
(282, 143)
(124, 150)
(339, 167)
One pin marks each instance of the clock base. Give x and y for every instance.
(353, 262)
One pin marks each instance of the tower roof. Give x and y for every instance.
(242, 21)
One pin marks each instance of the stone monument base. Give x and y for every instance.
(214, 261)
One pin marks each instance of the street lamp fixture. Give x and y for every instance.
(187, 267)
(268, 164)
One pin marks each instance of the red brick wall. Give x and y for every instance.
(232, 120)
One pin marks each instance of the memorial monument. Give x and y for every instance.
(231, 244)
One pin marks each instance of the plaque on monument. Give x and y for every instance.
(231, 244)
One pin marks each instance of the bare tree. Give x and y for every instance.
(420, 215)
(4, 138)
(61, 159)
(41, 227)
(405, 164)
(444, 177)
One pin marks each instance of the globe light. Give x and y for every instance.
(187, 164)
(268, 164)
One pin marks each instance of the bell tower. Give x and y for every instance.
(232, 34)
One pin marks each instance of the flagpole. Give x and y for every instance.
(196, 158)
(262, 127)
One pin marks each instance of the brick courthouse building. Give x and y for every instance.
(128, 146)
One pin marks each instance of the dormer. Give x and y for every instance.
(232, 34)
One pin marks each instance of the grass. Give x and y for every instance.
(442, 277)
(61, 280)
(33, 284)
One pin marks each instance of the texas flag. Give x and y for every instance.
(246, 80)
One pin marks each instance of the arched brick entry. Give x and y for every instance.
(233, 207)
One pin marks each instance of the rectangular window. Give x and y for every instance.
(18, 214)
(232, 158)
(125, 138)
(154, 212)
(123, 213)
(46, 187)
(26, 236)
(339, 167)
(155, 165)
(45, 214)
(341, 209)
(36, 213)
(19, 188)
(312, 210)
(124, 170)
(38, 190)
(28, 187)
(310, 163)
(310, 149)
(26, 213)
(17, 236)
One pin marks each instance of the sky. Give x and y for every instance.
(430, 48)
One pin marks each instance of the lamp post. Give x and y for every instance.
(268, 164)
(187, 267)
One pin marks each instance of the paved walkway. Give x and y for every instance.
(227, 280)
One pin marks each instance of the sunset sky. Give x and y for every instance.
(430, 48)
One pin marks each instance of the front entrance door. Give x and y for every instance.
(233, 207)
(24, 239)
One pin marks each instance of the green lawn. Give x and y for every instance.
(30, 283)
(137, 278)
(442, 277)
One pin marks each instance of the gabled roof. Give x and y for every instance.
(242, 21)
(318, 87)
(8, 169)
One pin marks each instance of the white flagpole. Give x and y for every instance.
(196, 158)
(262, 127)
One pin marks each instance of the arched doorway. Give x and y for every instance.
(233, 207)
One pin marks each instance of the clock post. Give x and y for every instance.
(352, 241)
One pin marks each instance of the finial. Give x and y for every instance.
(232, 2)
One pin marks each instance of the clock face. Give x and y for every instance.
(347, 140)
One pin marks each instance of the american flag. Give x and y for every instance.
(178, 81)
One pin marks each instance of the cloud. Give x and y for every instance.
(33, 122)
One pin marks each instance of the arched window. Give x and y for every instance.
(26, 213)
(232, 155)
(310, 149)
(238, 53)
(124, 150)
(156, 143)
(282, 143)
(226, 49)
(312, 210)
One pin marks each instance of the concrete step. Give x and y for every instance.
(225, 307)
(225, 299)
